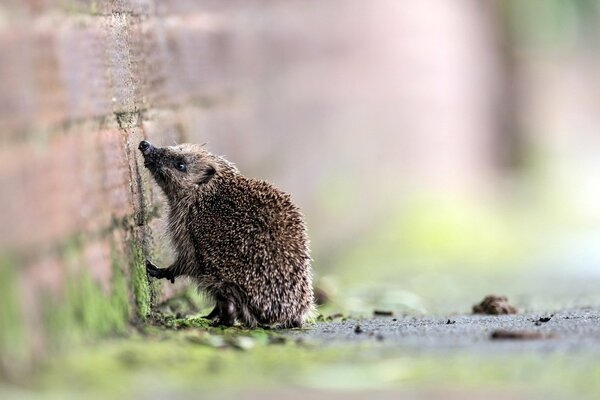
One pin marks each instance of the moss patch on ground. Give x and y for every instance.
(193, 361)
(173, 322)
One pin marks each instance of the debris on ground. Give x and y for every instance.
(383, 313)
(450, 322)
(323, 318)
(358, 329)
(503, 334)
(543, 320)
(494, 305)
(329, 318)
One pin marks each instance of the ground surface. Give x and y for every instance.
(568, 331)
(450, 356)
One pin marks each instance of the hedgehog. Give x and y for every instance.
(242, 240)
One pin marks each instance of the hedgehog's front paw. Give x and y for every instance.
(153, 270)
(159, 273)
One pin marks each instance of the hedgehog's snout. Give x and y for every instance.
(152, 155)
(146, 147)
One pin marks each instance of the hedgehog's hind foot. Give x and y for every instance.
(296, 323)
(291, 324)
(226, 312)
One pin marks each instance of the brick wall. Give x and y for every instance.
(81, 83)
(300, 95)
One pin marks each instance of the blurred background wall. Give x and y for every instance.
(426, 141)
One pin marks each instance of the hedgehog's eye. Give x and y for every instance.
(180, 165)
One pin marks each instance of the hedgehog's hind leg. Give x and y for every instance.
(290, 324)
(225, 311)
(295, 323)
(227, 317)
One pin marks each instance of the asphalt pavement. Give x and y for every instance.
(576, 330)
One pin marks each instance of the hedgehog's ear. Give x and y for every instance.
(207, 174)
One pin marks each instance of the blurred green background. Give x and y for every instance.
(469, 164)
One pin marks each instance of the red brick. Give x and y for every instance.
(181, 58)
(85, 70)
(17, 102)
(75, 182)
(48, 87)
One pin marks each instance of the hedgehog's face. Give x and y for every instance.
(179, 169)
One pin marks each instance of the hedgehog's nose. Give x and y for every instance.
(145, 146)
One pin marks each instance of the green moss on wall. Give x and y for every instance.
(139, 283)
(85, 310)
(13, 344)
